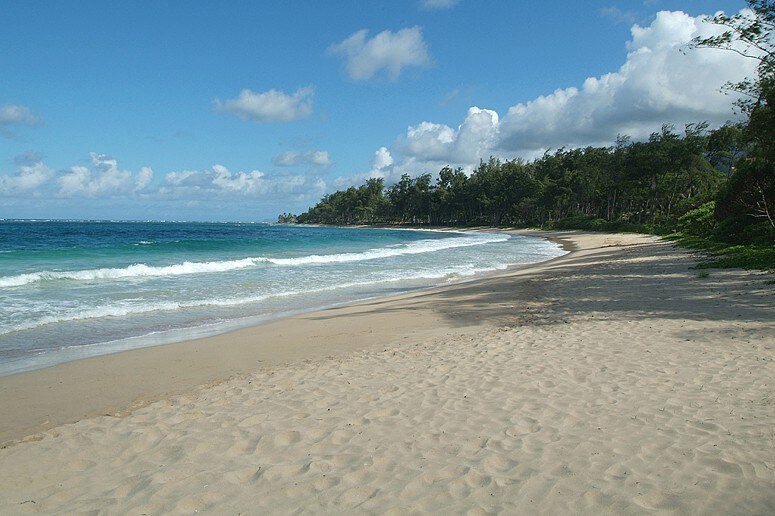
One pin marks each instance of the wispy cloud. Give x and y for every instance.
(12, 114)
(434, 5)
(269, 106)
(295, 158)
(386, 52)
(619, 16)
(449, 97)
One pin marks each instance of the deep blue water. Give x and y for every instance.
(70, 289)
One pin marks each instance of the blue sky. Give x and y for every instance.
(243, 110)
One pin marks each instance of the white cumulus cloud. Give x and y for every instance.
(381, 167)
(387, 51)
(382, 159)
(662, 81)
(102, 179)
(29, 177)
(245, 182)
(269, 106)
(471, 140)
(219, 182)
(144, 178)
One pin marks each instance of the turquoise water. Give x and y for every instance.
(71, 289)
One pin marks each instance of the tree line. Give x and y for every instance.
(649, 185)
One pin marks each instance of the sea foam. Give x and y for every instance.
(141, 270)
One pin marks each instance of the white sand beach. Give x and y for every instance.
(613, 380)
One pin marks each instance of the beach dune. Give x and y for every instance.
(613, 380)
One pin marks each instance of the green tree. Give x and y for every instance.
(749, 196)
(750, 36)
(725, 147)
(451, 199)
(398, 196)
(420, 199)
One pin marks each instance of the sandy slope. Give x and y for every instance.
(613, 380)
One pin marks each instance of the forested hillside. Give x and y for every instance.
(717, 184)
(669, 181)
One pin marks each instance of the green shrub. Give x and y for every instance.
(724, 255)
(583, 222)
(699, 221)
(760, 233)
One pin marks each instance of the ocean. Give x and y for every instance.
(74, 289)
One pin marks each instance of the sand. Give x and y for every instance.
(613, 380)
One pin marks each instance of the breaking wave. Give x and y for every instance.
(141, 270)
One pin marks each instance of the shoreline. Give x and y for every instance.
(192, 316)
(118, 382)
(613, 378)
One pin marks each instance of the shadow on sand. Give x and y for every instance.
(633, 282)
